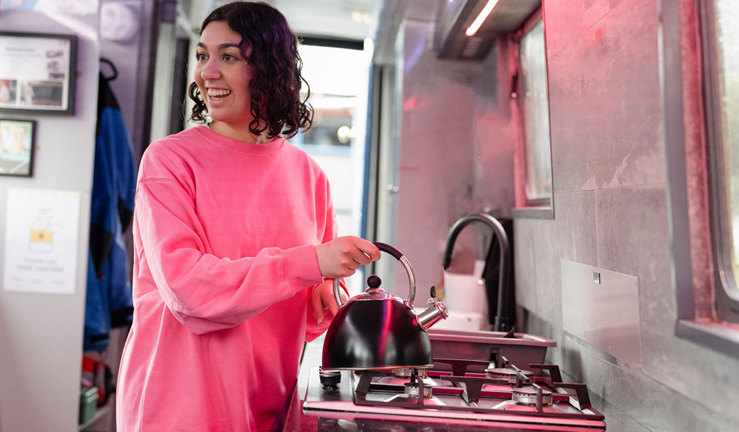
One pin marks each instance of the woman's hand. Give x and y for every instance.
(342, 256)
(323, 298)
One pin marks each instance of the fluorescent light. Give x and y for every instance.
(475, 26)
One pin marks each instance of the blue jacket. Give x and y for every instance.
(108, 302)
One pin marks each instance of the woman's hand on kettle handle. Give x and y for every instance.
(342, 256)
(323, 298)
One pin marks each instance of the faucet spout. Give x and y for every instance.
(501, 318)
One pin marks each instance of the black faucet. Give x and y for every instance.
(501, 318)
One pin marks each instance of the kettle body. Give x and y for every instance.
(377, 334)
(377, 330)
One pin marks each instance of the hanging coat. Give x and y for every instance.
(109, 303)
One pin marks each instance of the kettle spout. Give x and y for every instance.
(435, 312)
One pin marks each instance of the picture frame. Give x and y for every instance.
(37, 73)
(17, 142)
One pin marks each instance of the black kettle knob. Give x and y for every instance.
(374, 281)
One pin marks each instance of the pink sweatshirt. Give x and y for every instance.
(224, 268)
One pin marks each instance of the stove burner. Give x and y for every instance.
(408, 372)
(528, 396)
(511, 375)
(330, 380)
(411, 389)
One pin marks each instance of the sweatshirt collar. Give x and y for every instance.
(252, 149)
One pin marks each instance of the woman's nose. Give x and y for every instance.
(210, 70)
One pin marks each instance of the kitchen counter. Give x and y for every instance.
(296, 420)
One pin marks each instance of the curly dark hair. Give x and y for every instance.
(275, 85)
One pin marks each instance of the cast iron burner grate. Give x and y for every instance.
(538, 394)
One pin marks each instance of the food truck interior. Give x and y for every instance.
(563, 173)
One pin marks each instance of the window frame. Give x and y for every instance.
(704, 332)
(526, 208)
(726, 290)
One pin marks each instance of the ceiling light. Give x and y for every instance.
(472, 29)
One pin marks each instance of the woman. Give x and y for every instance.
(235, 242)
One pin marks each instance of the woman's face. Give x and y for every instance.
(222, 75)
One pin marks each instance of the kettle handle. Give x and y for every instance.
(406, 264)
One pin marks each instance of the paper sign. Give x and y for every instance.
(41, 241)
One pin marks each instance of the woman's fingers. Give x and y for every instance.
(368, 249)
(360, 258)
(330, 302)
(342, 256)
(362, 253)
(323, 298)
(318, 306)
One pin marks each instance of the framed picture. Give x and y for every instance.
(16, 147)
(37, 73)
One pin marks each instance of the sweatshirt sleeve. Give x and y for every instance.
(204, 292)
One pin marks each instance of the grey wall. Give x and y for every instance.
(610, 193)
(41, 334)
(609, 170)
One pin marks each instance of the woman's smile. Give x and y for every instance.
(217, 94)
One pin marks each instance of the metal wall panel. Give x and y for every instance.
(602, 308)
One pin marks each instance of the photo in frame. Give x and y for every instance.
(16, 147)
(37, 73)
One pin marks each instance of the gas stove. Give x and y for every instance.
(454, 394)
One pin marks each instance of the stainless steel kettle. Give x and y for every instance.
(377, 330)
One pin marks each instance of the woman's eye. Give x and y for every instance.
(200, 56)
(229, 57)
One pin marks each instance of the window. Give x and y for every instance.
(694, 74)
(721, 37)
(338, 84)
(338, 75)
(533, 99)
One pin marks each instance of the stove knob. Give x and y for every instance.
(330, 379)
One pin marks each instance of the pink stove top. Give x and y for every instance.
(502, 395)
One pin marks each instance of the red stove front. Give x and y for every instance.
(501, 396)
